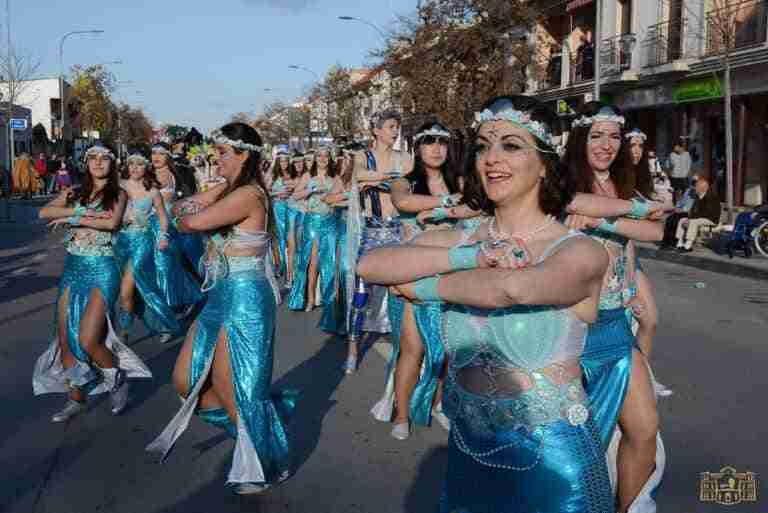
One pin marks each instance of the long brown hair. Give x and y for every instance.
(577, 162)
(107, 196)
(638, 175)
(150, 178)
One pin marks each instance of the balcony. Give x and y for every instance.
(665, 42)
(616, 57)
(735, 27)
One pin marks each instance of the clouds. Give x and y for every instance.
(291, 5)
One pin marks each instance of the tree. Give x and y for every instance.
(90, 102)
(280, 123)
(241, 117)
(342, 103)
(725, 27)
(17, 68)
(134, 128)
(455, 54)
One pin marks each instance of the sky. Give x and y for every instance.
(194, 62)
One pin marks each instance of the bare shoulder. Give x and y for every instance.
(582, 254)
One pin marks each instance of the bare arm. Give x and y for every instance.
(362, 173)
(230, 210)
(568, 277)
(108, 224)
(162, 215)
(426, 256)
(57, 207)
(405, 201)
(640, 230)
(210, 196)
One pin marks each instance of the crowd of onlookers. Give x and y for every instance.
(41, 176)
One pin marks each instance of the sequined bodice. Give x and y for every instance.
(616, 279)
(513, 368)
(83, 241)
(315, 204)
(138, 212)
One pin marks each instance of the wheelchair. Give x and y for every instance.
(750, 229)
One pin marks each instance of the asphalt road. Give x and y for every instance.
(712, 351)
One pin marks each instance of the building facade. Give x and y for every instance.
(662, 62)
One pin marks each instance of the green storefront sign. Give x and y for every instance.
(697, 90)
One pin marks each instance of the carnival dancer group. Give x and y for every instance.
(502, 268)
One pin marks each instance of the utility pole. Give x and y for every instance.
(598, 36)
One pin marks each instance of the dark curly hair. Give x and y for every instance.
(555, 192)
(418, 177)
(576, 159)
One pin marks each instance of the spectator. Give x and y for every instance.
(63, 177)
(682, 208)
(41, 169)
(680, 163)
(662, 188)
(705, 211)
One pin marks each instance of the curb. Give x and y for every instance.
(730, 267)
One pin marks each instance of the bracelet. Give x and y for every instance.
(348, 195)
(163, 235)
(463, 257)
(80, 211)
(74, 220)
(609, 225)
(440, 213)
(425, 289)
(640, 208)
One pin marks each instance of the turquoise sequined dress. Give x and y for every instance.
(90, 266)
(522, 438)
(319, 226)
(281, 213)
(428, 317)
(337, 314)
(241, 305)
(135, 246)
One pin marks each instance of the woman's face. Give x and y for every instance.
(323, 160)
(434, 155)
(635, 149)
(159, 160)
(230, 162)
(603, 143)
(388, 132)
(284, 163)
(299, 166)
(99, 166)
(507, 163)
(136, 170)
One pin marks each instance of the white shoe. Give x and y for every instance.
(401, 431)
(250, 488)
(350, 366)
(71, 409)
(165, 338)
(440, 417)
(661, 390)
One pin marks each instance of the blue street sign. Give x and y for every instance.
(18, 124)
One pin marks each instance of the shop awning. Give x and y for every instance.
(575, 4)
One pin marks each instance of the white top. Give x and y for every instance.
(681, 164)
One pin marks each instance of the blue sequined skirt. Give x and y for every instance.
(136, 248)
(179, 286)
(242, 306)
(607, 366)
(280, 209)
(429, 318)
(337, 314)
(320, 229)
(563, 471)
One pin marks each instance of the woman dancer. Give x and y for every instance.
(135, 253)
(177, 263)
(413, 388)
(85, 356)
(296, 210)
(316, 254)
(522, 439)
(283, 183)
(616, 374)
(224, 370)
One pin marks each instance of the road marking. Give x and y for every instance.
(38, 258)
(20, 270)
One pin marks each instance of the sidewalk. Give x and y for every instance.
(711, 258)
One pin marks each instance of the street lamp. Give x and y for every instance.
(302, 68)
(61, 76)
(366, 22)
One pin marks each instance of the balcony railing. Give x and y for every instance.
(616, 54)
(734, 27)
(665, 42)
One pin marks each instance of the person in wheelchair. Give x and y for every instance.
(705, 211)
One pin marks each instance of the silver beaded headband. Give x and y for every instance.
(589, 120)
(516, 117)
(435, 132)
(161, 149)
(99, 150)
(220, 138)
(325, 149)
(137, 157)
(636, 134)
(297, 159)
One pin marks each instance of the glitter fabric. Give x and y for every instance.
(179, 286)
(241, 312)
(337, 314)
(320, 230)
(135, 250)
(522, 439)
(280, 211)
